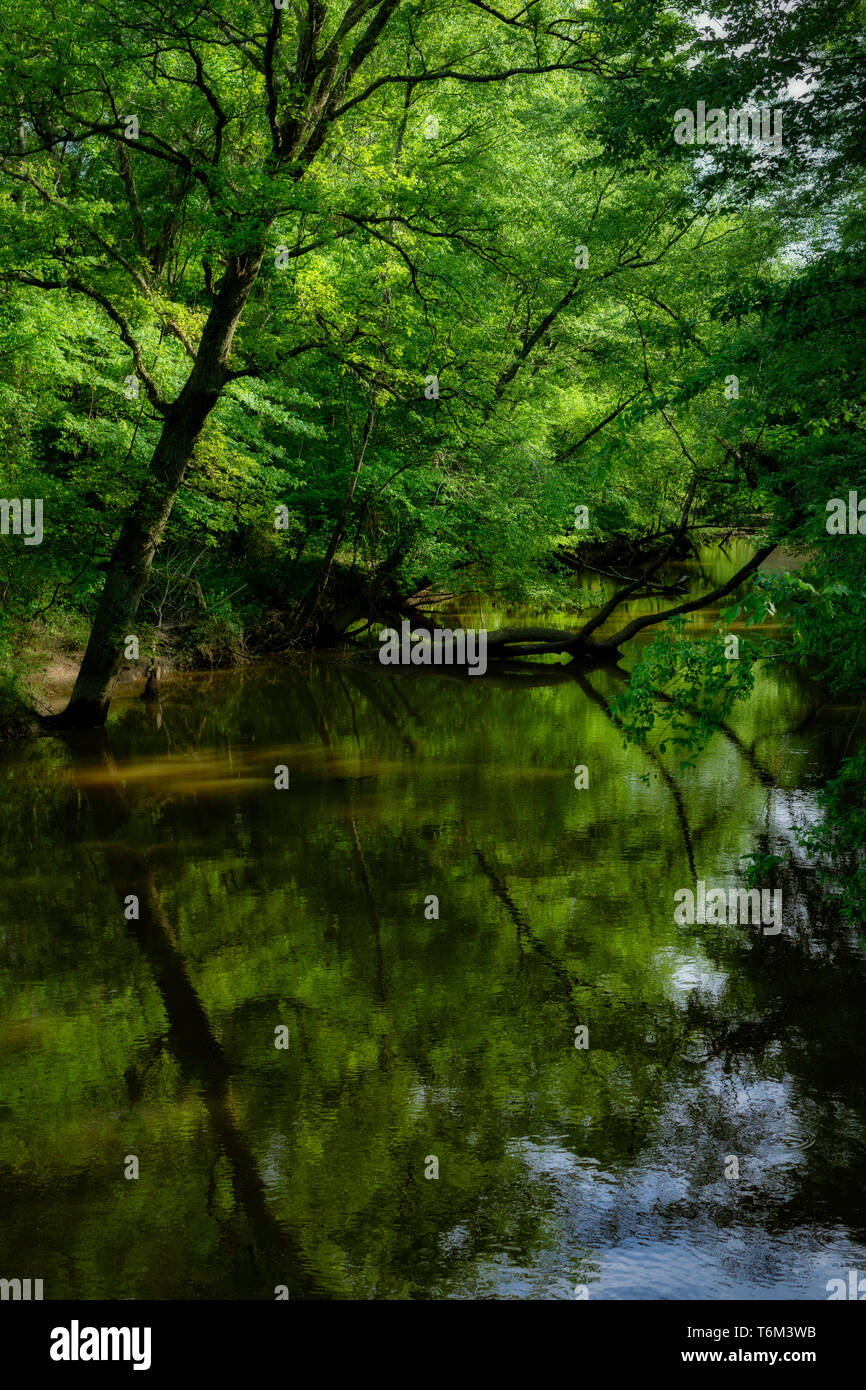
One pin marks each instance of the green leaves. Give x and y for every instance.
(683, 690)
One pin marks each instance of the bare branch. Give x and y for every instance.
(651, 619)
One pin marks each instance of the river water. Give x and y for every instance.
(416, 1042)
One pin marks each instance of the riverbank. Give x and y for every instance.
(51, 664)
(43, 668)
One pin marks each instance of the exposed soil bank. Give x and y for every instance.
(52, 666)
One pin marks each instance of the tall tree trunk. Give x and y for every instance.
(142, 529)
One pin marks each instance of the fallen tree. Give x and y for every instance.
(510, 643)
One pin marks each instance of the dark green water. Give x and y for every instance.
(412, 1037)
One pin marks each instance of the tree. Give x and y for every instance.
(154, 153)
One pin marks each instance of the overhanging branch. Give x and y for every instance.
(650, 619)
(75, 286)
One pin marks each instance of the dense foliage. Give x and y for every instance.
(309, 312)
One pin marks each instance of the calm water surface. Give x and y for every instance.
(411, 1037)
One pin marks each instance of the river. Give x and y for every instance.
(423, 918)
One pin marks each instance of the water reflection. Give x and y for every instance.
(413, 1036)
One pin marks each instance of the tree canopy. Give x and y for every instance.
(313, 312)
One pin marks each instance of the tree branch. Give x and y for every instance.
(154, 395)
(650, 619)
